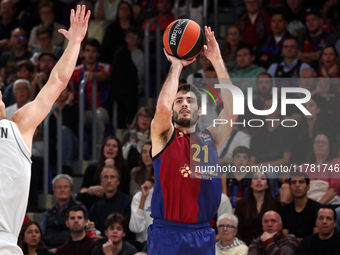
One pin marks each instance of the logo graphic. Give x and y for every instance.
(185, 170)
(204, 87)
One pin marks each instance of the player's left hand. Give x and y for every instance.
(211, 50)
(79, 23)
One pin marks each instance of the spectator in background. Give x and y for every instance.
(298, 217)
(315, 39)
(70, 119)
(24, 70)
(235, 185)
(8, 23)
(106, 10)
(79, 243)
(46, 62)
(115, 230)
(93, 71)
(91, 190)
(10, 58)
(255, 23)
(272, 143)
(246, 69)
(112, 201)
(137, 136)
(127, 78)
(141, 210)
(143, 10)
(30, 240)
(327, 240)
(324, 186)
(229, 243)
(53, 224)
(232, 40)
(95, 29)
(140, 174)
(272, 241)
(195, 11)
(114, 33)
(47, 17)
(250, 209)
(21, 92)
(329, 67)
(310, 83)
(269, 48)
(204, 64)
(290, 67)
(294, 10)
(45, 38)
(264, 85)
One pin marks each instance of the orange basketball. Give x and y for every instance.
(183, 39)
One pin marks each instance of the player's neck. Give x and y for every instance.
(186, 130)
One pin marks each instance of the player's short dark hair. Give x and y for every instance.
(299, 175)
(91, 42)
(190, 87)
(115, 218)
(241, 149)
(75, 208)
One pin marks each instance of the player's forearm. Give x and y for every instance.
(169, 89)
(63, 70)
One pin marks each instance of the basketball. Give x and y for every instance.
(183, 39)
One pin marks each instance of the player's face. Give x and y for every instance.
(321, 146)
(109, 180)
(299, 187)
(185, 109)
(259, 182)
(146, 155)
(32, 235)
(325, 221)
(115, 233)
(111, 148)
(62, 189)
(76, 221)
(227, 230)
(144, 121)
(271, 222)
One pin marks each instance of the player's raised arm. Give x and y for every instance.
(212, 52)
(32, 114)
(161, 125)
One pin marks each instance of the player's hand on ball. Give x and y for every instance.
(176, 61)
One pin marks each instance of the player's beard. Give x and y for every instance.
(186, 122)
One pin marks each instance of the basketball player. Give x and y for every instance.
(181, 206)
(16, 136)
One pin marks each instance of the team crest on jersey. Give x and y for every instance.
(203, 135)
(185, 170)
(180, 134)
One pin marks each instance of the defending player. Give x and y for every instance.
(16, 136)
(182, 206)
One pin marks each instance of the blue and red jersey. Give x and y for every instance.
(178, 196)
(102, 86)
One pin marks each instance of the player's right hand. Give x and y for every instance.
(176, 61)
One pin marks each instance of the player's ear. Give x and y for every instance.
(199, 112)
